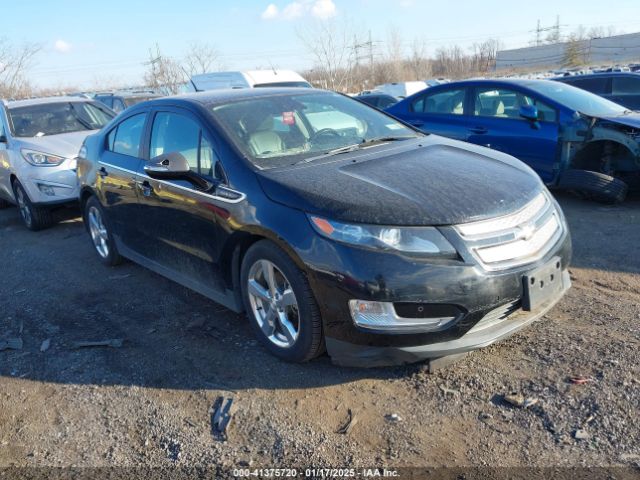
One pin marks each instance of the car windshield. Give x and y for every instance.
(285, 129)
(56, 118)
(577, 99)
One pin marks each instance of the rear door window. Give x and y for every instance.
(125, 139)
(594, 85)
(449, 102)
(626, 86)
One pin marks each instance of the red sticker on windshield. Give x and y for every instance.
(288, 118)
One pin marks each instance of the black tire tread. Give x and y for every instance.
(41, 217)
(598, 186)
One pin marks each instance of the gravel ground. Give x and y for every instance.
(149, 401)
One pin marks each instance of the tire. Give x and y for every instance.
(100, 232)
(34, 217)
(303, 318)
(597, 186)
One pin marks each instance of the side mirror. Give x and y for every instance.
(174, 166)
(529, 112)
(170, 165)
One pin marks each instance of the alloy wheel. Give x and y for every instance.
(98, 232)
(273, 303)
(23, 206)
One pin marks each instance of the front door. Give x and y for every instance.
(117, 170)
(496, 123)
(181, 225)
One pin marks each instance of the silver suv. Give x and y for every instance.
(39, 142)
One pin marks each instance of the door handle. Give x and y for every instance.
(145, 188)
(417, 123)
(103, 172)
(478, 130)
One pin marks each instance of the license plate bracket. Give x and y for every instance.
(542, 284)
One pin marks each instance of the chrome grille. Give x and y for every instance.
(516, 239)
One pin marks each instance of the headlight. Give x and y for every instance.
(422, 240)
(40, 159)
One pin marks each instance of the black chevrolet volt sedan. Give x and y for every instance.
(331, 224)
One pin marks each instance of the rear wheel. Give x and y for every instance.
(99, 230)
(280, 304)
(597, 186)
(34, 217)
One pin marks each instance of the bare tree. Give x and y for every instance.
(418, 61)
(163, 73)
(14, 63)
(201, 58)
(329, 42)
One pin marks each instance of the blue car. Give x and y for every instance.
(573, 139)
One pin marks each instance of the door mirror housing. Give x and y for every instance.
(174, 166)
(529, 112)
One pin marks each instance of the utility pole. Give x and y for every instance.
(553, 38)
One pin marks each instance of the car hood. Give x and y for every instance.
(64, 145)
(430, 181)
(630, 119)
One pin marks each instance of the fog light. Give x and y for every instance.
(383, 316)
(47, 190)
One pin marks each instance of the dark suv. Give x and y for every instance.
(619, 87)
(122, 100)
(329, 222)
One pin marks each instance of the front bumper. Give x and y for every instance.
(340, 273)
(51, 185)
(348, 354)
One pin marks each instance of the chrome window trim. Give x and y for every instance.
(241, 197)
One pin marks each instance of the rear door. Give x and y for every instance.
(117, 174)
(497, 124)
(439, 111)
(181, 226)
(625, 90)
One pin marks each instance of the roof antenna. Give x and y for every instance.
(190, 79)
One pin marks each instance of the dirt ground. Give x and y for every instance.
(149, 402)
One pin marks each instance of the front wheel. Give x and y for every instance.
(34, 217)
(101, 236)
(280, 304)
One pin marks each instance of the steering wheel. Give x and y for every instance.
(324, 132)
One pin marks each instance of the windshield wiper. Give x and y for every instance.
(335, 151)
(385, 139)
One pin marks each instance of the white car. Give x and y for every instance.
(247, 79)
(39, 142)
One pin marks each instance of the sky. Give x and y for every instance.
(86, 44)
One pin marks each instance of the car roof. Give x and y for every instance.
(523, 82)
(44, 101)
(222, 96)
(129, 94)
(599, 74)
